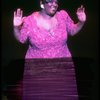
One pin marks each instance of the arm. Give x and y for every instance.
(82, 18)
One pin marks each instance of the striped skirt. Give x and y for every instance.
(49, 79)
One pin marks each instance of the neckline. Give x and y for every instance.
(43, 29)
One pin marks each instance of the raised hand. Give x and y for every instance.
(18, 20)
(81, 14)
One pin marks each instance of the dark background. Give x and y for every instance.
(84, 46)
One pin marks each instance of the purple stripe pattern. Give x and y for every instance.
(49, 79)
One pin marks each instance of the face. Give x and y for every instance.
(50, 6)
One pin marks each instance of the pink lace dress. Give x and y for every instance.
(49, 72)
(47, 44)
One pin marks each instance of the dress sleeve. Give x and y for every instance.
(24, 30)
(69, 22)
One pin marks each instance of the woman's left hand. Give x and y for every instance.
(81, 14)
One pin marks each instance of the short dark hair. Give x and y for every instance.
(44, 1)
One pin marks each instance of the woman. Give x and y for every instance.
(49, 72)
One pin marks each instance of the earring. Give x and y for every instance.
(42, 6)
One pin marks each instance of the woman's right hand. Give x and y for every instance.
(18, 19)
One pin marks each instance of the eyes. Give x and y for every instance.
(51, 1)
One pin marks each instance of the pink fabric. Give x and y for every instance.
(42, 43)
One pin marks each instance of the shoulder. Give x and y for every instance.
(30, 17)
(63, 13)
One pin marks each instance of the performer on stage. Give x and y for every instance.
(49, 72)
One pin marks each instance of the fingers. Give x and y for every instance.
(18, 13)
(81, 9)
(81, 6)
